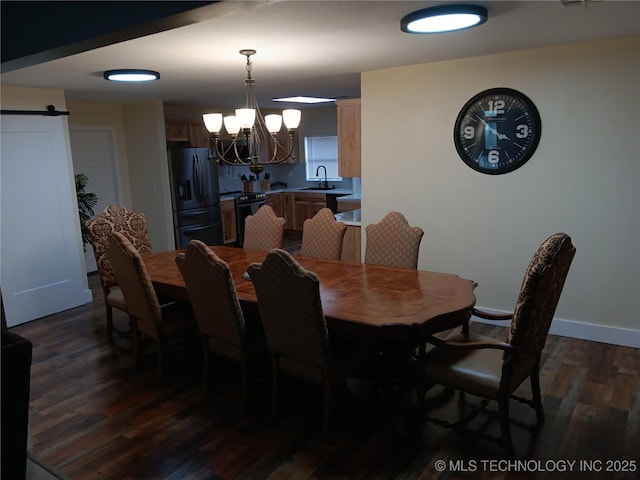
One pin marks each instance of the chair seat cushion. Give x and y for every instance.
(115, 298)
(474, 371)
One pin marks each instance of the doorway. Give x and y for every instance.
(94, 153)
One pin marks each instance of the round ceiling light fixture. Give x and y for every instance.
(444, 18)
(131, 75)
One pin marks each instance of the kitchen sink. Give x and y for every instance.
(319, 189)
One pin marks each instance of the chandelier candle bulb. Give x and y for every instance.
(291, 118)
(213, 122)
(232, 124)
(246, 117)
(273, 122)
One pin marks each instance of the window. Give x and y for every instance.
(321, 150)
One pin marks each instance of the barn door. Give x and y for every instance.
(41, 261)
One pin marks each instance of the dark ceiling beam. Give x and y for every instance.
(34, 32)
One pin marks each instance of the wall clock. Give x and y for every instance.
(497, 131)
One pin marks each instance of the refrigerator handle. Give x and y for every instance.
(197, 177)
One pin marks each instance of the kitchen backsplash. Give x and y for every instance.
(294, 175)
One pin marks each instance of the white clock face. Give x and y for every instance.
(497, 131)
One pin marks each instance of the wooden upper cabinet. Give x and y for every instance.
(177, 131)
(188, 133)
(349, 149)
(199, 135)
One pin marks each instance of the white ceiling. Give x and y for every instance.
(312, 47)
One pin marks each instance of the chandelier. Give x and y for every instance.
(254, 138)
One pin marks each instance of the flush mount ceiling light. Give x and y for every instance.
(304, 100)
(131, 75)
(444, 18)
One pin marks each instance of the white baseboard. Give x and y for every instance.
(88, 295)
(585, 331)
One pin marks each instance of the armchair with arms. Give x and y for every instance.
(492, 369)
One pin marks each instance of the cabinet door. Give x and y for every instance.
(199, 135)
(177, 131)
(303, 208)
(274, 200)
(349, 153)
(351, 244)
(288, 210)
(306, 206)
(228, 214)
(316, 206)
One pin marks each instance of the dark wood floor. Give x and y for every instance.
(92, 417)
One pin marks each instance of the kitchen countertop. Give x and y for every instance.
(345, 193)
(351, 218)
(354, 197)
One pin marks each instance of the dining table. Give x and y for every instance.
(386, 310)
(357, 298)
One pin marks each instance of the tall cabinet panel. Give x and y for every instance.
(349, 137)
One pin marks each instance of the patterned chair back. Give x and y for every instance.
(322, 236)
(264, 230)
(538, 298)
(393, 242)
(213, 297)
(116, 218)
(134, 281)
(292, 316)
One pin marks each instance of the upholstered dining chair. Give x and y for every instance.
(322, 236)
(148, 317)
(493, 369)
(296, 329)
(133, 225)
(263, 230)
(393, 242)
(212, 294)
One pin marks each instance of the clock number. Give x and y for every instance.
(493, 157)
(496, 107)
(522, 131)
(469, 132)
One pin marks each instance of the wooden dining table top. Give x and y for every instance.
(357, 293)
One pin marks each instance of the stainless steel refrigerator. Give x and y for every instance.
(195, 196)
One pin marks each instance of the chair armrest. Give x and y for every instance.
(491, 316)
(438, 342)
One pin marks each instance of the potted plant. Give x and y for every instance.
(86, 202)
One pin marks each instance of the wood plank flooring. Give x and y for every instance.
(93, 417)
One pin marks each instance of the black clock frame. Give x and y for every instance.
(527, 152)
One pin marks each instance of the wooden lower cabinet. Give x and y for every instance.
(348, 205)
(228, 214)
(288, 209)
(274, 200)
(306, 206)
(351, 245)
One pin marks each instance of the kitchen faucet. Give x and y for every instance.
(326, 183)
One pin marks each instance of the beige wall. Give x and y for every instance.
(149, 170)
(583, 179)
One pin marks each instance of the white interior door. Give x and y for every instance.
(41, 261)
(94, 154)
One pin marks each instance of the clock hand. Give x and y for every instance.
(501, 136)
